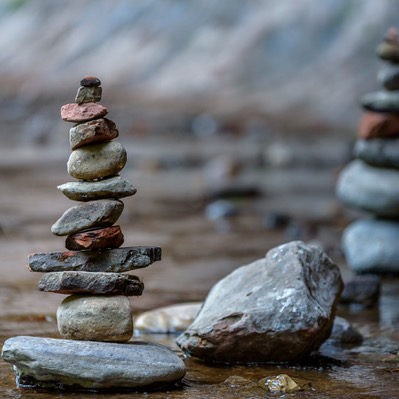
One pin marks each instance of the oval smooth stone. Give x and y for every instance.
(389, 77)
(97, 161)
(381, 101)
(378, 152)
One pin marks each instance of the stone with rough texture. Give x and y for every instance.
(282, 383)
(278, 308)
(96, 161)
(92, 132)
(361, 290)
(88, 95)
(378, 152)
(381, 101)
(344, 333)
(108, 260)
(389, 77)
(114, 187)
(378, 125)
(371, 246)
(90, 282)
(108, 237)
(102, 213)
(90, 81)
(95, 318)
(61, 364)
(79, 113)
(369, 188)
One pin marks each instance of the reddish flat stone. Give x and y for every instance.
(82, 112)
(391, 35)
(109, 237)
(90, 81)
(378, 125)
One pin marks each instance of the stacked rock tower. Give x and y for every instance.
(371, 182)
(91, 271)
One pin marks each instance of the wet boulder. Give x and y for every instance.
(276, 309)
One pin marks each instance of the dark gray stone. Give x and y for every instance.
(278, 308)
(88, 95)
(109, 260)
(381, 101)
(61, 364)
(369, 188)
(114, 187)
(361, 290)
(371, 246)
(102, 213)
(90, 81)
(389, 77)
(378, 152)
(72, 282)
(344, 333)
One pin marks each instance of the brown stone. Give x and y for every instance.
(90, 81)
(378, 125)
(82, 112)
(108, 237)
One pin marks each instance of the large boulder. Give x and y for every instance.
(276, 309)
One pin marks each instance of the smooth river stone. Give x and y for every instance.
(63, 364)
(88, 95)
(371, 246)
(378, 152)
(92, 132)
(90, 81)
(370, 188)
(96, 161)
(108, 260)
(114, 187)
(95, 318)
(91, 283)
(378, 125)
(381, 101)
(102, 213)
(388, 51)
(108, 237)
(82, 112)
(389, 77)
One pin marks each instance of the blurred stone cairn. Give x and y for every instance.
(371, 182)
(96, 318)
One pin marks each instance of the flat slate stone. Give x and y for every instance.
(88, 95)
(378, 125)
(96, 161)
(102, 213)
(91, 132)
(106, 318)
(378, 152)
(91, 282)
(389, 77)
(108, 237)
(63, 364)
(114, 187)
(108, 260)
(90, 81)
(381, 101)
(82, 112)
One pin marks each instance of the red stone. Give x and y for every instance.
(375, 125)
(108, 237)
(82, 112)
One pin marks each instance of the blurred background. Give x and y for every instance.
(237, 117)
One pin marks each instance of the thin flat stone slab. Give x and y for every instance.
(106, 318)
(381, 101)
(91, 132)
(90, 282)
(102, 213)
(108, 237)
(79, 113)
(109, 260)
(88, 95)
(63, 364)
(378, 125)
(114, 187)
(96, 161)
(378, 152)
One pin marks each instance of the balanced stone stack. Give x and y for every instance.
(91, 271)
(371, 182)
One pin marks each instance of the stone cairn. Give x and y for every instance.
(97, 311)
(371, 182)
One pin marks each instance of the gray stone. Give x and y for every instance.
(114, 187)
(95, 318)
(88, 95)
(378, 152)
(369, 188)
(361, 290)
(100, 213)
(90, 282)
(278, 308)
(109, 260)
(61, 364)
(381, 101)
(344, 333)
(371, 245)
(389, 77)
(96, 161)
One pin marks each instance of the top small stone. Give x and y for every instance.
(388, 49)
(90, 81)
(391, 35)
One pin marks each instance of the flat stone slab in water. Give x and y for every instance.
(63, 364)
(114, 187)
(116, 260)
(91, 282)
